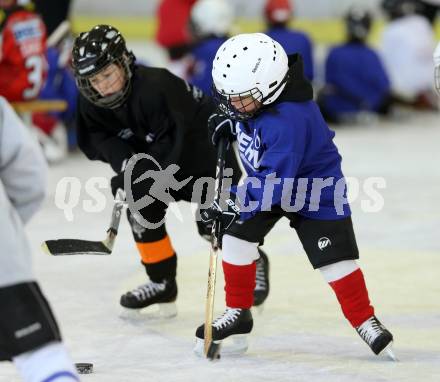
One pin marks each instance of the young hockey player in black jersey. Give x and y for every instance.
(125, 109)
(293, 170)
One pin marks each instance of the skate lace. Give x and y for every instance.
(148, 290)
(228, 317)
(260, 277)
(370, 330)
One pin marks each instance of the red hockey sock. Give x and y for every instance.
(239, 285)
(352, 294)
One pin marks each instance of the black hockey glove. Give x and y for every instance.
(138, 190)
(220, 126)
(226, 217)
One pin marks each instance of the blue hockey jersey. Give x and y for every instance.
(355, 80)
(295, 42)
(204, 53)
(289, 147)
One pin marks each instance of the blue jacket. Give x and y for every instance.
(295, 42)
(204, 54)
(291, 140)
(355, 80)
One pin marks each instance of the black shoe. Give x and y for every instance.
(231, 322)
(149, 294)
(261, 290)
(375, 334)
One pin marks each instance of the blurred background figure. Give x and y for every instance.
(430, 9)
(23, 63)
(173, 34)
(406, 49)
(54, 12)
(57, 130)
(436, 57)
(355, 79)
(210, 23)
(277, 14)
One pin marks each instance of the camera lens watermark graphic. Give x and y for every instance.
(151, 191)
(163, 181)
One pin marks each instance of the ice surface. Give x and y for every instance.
(301, 335)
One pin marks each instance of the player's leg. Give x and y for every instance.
(262, 285)
(160, 262)
(29, 335)
(240, 253)
(331, 248)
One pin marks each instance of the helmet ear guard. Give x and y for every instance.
(94, 51)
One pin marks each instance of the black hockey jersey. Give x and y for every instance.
(164, 116)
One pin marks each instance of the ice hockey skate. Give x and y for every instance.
(378, 338)
(261, 290)
(232, 326)
(150, 301)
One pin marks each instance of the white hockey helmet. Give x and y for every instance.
(249, 65)
(212, 17)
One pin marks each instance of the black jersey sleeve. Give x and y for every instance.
(97, 143)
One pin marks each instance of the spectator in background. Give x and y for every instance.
(23, 63)
(54, 12)
(57, 130)
(430, 9)
(173, 34)
(406, 48)
(277, 14)
(355, 79)
(210, 23)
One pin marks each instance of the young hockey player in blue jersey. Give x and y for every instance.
(277, 14)
(210, 23)
(293, 171)
(355, 78)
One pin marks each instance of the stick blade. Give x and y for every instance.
(63, 247)
(213, 351)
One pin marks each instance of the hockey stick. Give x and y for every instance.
(84, 247)
(212, 350)
(61, 31)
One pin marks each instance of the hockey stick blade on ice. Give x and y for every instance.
(63, 247)
(212, 349)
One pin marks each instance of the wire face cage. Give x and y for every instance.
(114, 100)
(239, 106)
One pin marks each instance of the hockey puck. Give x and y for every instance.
(84, 368)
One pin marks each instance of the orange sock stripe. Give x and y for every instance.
(155, 251)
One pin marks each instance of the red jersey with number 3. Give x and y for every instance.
(23, 65)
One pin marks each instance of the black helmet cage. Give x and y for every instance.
(93, 52)
(243, 100)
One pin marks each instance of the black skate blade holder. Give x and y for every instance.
(63, 247)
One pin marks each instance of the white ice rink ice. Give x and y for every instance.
(301, 335)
